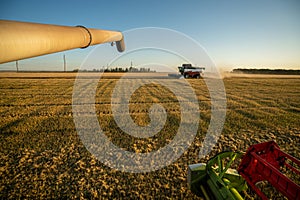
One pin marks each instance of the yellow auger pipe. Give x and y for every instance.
(20, 40)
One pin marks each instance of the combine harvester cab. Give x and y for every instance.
(262, 162)
(188, 71)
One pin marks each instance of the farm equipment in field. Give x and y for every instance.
(262, 162)
(266, 162)
(188, 71)
(20, 40)
(215, 180)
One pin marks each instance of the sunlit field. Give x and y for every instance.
(42, 156)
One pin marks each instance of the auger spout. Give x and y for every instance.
(20, 40)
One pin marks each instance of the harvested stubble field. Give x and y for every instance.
(42, 156)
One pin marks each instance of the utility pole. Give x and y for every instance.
(130, 68)
(17, 66)
(65, 63)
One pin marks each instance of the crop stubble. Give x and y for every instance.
(41, 155)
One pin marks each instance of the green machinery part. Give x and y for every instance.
(216, 180)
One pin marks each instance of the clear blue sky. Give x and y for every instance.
(235, 33)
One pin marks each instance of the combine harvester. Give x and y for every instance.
(214, 180)
(188, 71)
(262, 162)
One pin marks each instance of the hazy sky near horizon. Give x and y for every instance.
(235, 33)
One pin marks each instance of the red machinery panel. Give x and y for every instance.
(264, 162)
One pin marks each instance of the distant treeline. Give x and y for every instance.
(267, 71)
(117, 69)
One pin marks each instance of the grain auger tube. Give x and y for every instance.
(20, 40)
